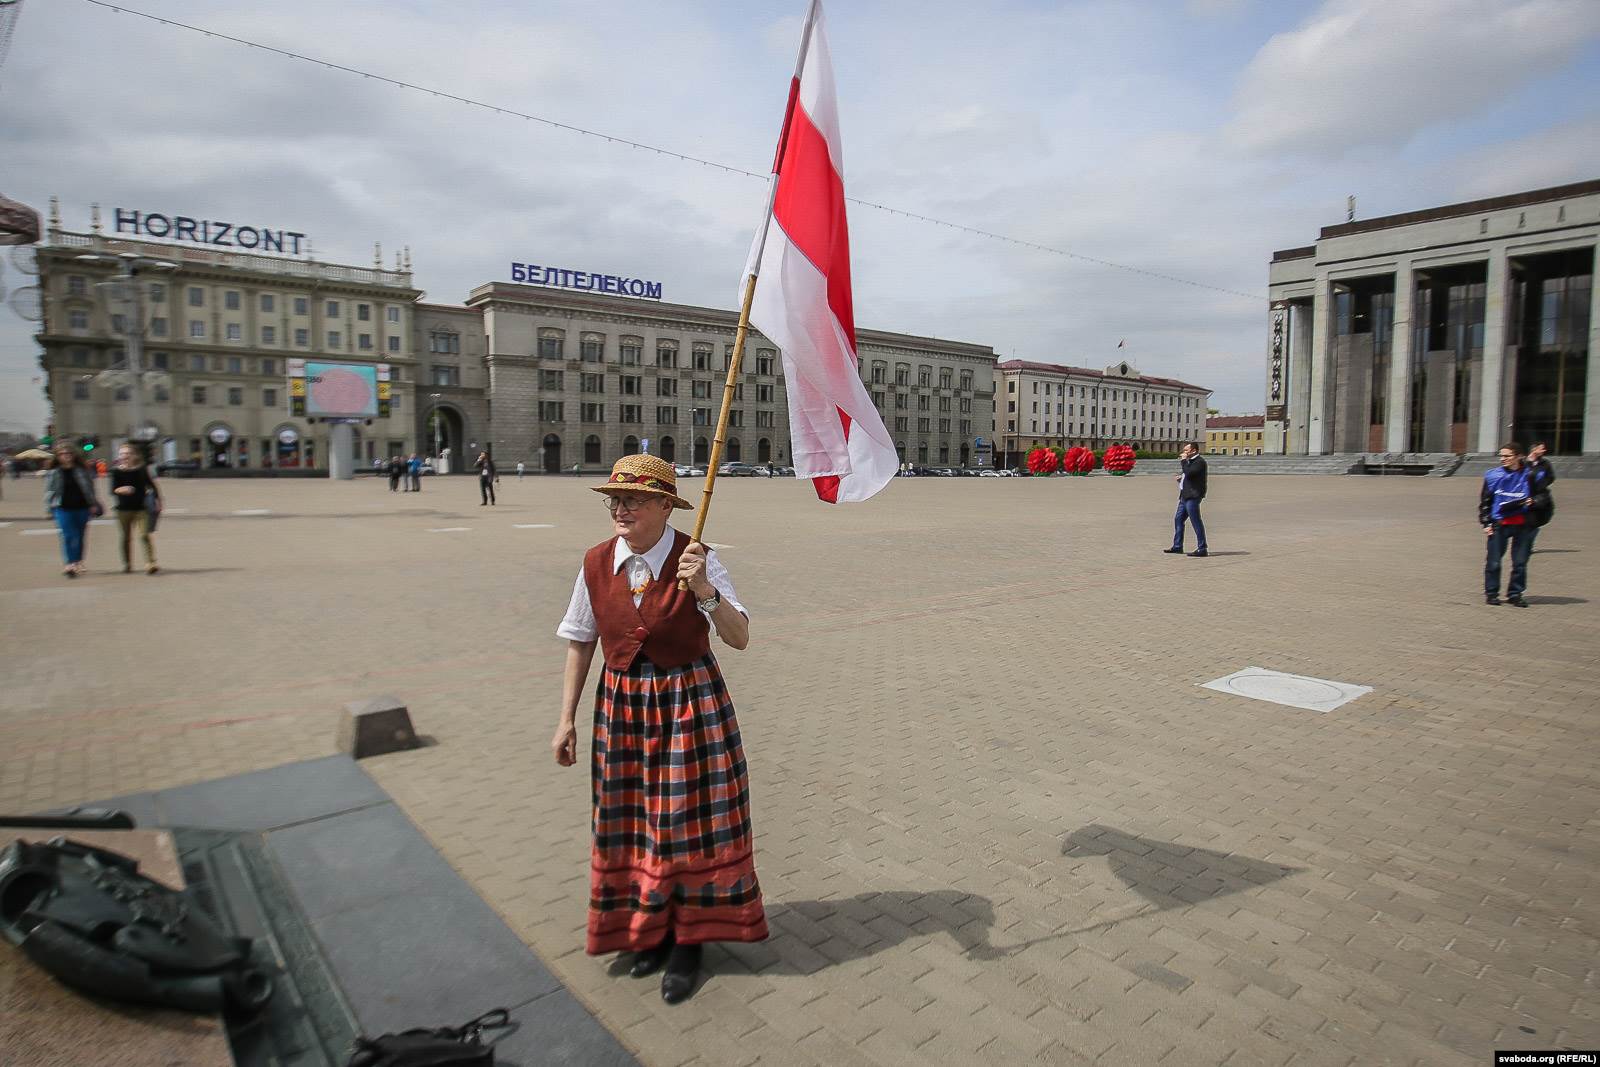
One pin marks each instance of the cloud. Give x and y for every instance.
(1364, 73)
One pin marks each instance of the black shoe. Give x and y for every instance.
(1199, 553)
(650, 960)
(1491, 598)
(1173, 551)
(683, 973)
(1516, 601)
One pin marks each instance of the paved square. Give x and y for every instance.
(998, 818)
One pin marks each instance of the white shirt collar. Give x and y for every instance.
(656, 558)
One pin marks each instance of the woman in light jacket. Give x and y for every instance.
(69, 497)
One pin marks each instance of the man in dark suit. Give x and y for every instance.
(1191, 490)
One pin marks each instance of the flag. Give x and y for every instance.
(801, 258)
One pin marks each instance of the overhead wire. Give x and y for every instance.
(643, 146)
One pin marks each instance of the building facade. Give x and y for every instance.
(1235, 435)
(1445, 330)
(219, 329)
(576, 379)
(1051, 406)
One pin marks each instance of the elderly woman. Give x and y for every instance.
(672, 864)
(69, 497)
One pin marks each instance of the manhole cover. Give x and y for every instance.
(1290, 690)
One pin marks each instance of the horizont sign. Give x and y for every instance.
(585, 280)
(206, 231)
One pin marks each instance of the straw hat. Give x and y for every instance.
(644, 474)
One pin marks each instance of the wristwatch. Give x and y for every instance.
(710, 603)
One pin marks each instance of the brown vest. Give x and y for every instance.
(666, 626)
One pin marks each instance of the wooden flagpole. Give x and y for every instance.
(750, 291)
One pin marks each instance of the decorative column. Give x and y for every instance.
(1299, 386)
(1397, 435)
(1591, 401)
(1491, 398)
(1319, 430)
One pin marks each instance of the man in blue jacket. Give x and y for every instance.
(1504, 512)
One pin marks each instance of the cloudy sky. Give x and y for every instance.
(1185, 137)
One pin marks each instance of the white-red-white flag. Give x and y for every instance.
(802, 301)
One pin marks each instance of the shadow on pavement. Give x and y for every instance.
(1556, 599)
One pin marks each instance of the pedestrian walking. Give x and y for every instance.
(487, 476)
(1541, 476)
(672, 862)
(138, 501)
(519, 470)
(394, 469)
(69, 497)
(414, 467)
(1191, 490)
(1506, 507)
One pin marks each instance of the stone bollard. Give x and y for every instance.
(376, 727)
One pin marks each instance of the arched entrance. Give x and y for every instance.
(763, 451)
(669, 450)
(966, 455)
(733, 450)
(444, 427)
(702, 451)
(630, 445)
(219, 439)
(591, 451)
(552, 454)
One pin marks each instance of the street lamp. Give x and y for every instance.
(125, 290)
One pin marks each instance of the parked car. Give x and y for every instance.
(686, 471)
(991, 474)
(741, 470)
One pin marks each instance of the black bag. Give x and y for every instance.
(1543, 508)
(448, 1046)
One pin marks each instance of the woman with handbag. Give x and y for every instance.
(138, 503)
(69, 497)
(672, 863)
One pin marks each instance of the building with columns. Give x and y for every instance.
(1449, 329)
(1045, 405)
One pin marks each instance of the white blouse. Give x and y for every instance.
(579, 623)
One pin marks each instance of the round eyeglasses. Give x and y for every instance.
(615, 504)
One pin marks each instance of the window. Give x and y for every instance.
(702, 357)
(80, 390)
(945, 376)
(592, 348)
(666, 355)
(394, 344)
(446, 375)
(667, 416)
(230, 300)
(159, 360)
(902, 374)
(392, 314)
(1011, 405)
(268, 304)
(364, 342)
(552, 379)
(966, 405)
(269, 335)
(966, 379)
(632, 351)
(735, 417)
(666, 387)
(764, 418)
(197, 328)
(444, 343)
(197, 296)
(77, 285)
(302, 337)
(197, 395)
(944, 426)
(78, 320)
(966, 427)
(235, 332)
(877, 401)
(631, 385)
(878, 372)
(550, 411)
(160, 394)
(900, 423)
(364, 312)
(764, 394)
(924, 377)
(235, 397)
(302, 306)
(394, 402)
(702, 416)
(766, 360)
(922, 425)
(922, 402)
(235, 365)
(901, 401)
(944, 404)
(335, 340)
(269, 398)
(332, 309)
(632, 413)
(593, 382)
(701, 390)
(197, 363)
(550, 345)
(118, 324)
(158, 326)
(594, 413)
(158, 293)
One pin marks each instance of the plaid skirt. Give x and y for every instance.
(673, 849)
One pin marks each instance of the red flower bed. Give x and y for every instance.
(1078, 460)
(1042, 461)
(1119, 459)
